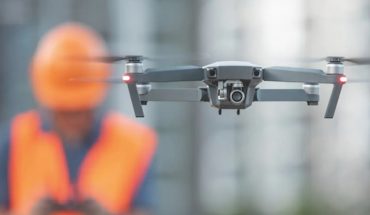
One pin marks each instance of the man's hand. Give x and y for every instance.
(3, 211)
(44, 206)
(92, 207)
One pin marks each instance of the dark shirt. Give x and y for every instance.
(74, 157)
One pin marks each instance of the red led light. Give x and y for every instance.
(343, 79)
(126, 78)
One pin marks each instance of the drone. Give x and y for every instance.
(231, 84)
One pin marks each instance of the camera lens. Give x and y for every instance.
(237, 96)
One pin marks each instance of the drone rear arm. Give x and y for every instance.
(285, 95)
(175, 95)
(169, 95)
(184, 73)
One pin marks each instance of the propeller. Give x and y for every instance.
(115, 59)
(111, 80)
(358, 61)
(358, 81)
(339, 59)
(139, 58)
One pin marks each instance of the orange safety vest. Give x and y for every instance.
(110, 173)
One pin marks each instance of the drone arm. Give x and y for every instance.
(284, 95)
(176, 95)
(288, 74)
(333, 101)
(183, 73)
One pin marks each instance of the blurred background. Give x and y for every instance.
(277, 158)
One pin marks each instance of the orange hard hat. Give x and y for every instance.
(60, 62)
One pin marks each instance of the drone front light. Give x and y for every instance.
(342, 79)
(126, 78)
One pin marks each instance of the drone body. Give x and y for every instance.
(231, 84)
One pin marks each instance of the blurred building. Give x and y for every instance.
(277, 158)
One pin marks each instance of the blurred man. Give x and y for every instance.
(68, 157)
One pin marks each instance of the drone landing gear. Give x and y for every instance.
(311, 103)
(220, 112)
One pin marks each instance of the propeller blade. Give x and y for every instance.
(358, 60)
(312, 59)
(112, 80)
(352, 60)
(358, 81)
(108, 59)
(176, 58)
(111, 58)
(114, 59)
